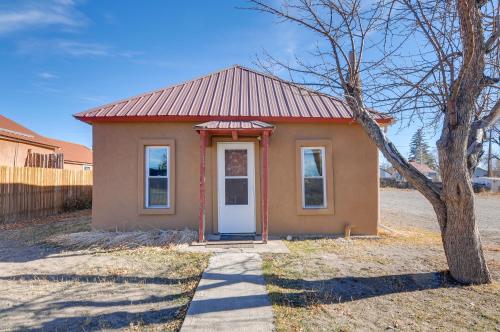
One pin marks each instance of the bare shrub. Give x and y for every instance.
(77, 203)
(114, 240)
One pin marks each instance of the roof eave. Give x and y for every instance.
(27, 141)
(169, 118)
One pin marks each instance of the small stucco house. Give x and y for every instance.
(22, 147)
(236, 151)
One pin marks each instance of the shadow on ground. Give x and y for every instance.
(99, 279)
(115, 314)
(114, 320)
(301, 293)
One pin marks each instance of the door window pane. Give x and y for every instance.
(313, 192)
(158, 191)
(313, 163)
(235, 162)
(236, 191)
(157, 157)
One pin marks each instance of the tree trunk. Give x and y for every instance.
(461, 240)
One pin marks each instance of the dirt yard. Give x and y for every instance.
(49, 289)
(396, 282)
(400, 207)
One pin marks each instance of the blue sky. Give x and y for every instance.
(60, 57)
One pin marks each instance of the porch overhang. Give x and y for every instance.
(235, 129)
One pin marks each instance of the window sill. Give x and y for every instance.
(314, 211)
(157, 211)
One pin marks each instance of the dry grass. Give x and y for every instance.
(38, 233)
(129, 281)
(38, 221)
(122, 240)
(393, 282)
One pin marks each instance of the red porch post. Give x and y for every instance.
(201, 220)
(265, 184)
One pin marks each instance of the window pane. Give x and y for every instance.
(313, 192)
(236, 191)
(157, 161)
(313, 162)
(158, 191)
(236, 162)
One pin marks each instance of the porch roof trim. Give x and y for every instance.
(234, 125)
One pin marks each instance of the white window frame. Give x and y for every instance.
(147, 176)
(323, 172)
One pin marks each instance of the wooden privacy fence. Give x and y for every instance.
(27, 192)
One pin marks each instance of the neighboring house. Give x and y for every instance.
(492, 183)
(236, 151)
(385, 173)
(480, 172)
(20, 147)
(422, 168)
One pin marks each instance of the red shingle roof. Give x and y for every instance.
(14, 130)
(422, 168)
(72, 152)
(235, 93)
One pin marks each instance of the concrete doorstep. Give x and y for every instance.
(231, 296)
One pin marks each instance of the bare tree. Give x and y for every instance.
(429, 59)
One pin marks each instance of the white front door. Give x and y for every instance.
(236, 187)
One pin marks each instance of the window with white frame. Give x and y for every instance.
(313, 178)
(157, 177)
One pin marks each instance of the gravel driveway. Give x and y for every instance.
(402, 207)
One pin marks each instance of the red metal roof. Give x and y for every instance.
(233, 125)
(235, 93)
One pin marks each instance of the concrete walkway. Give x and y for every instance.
(273, 246)
(231, 296)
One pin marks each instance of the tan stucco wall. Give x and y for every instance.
(355, 178)
(15, 153)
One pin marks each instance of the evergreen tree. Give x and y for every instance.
(419, 150)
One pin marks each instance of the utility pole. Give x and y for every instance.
(490, 165)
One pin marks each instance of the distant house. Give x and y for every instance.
(386, 173)
(20, 147)
(426, 170)
(480, 172)
(493, 184)
(422, 168)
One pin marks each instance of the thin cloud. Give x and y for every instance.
(32, 15)
(64, 47)
(46, 75)
(81, 49)
(73, 48)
